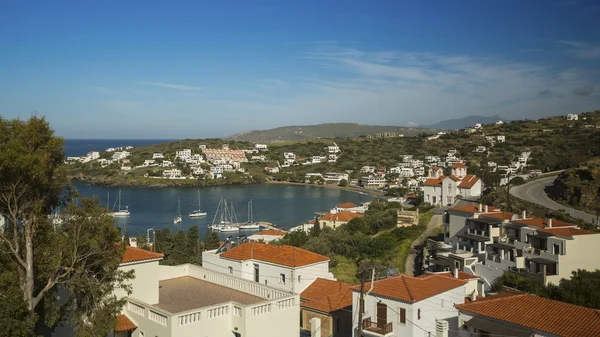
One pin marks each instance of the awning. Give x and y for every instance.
(501, 245)
(124, 324)
(497, 328)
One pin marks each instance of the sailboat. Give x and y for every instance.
(178, 219)
(197, 213)
(225, 222)
(250, 224)
(120, 212)
(232, 225)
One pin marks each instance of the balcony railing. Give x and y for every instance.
(381, 329)
(478, 232)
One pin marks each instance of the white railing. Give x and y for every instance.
(138, 309)
(156, 317)
(261, 309)
(235, 283)
(190, 318)
(217, 312)
(284, 304)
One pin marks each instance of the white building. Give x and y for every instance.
(283, 267)
(501, 139)
(316, 159)
(443, 190)
(335, 178)
(333, 148)
(289, 155)
(261, 147)
(407, 306)
(125, 168)
(332, 158)
(480, 149)
(373, 181)
(157, 156)
(172, 173)
(572, 117)
(93, 155)
(499, 122)
(266, 236)
(149, 162)
(367, 169)
(272, 169)
(477, 126)
(190, 301)
(167, 163)
(184, 154)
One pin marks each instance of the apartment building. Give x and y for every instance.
(406, 306)
(285, 267)
(337, 218)
(188, 300)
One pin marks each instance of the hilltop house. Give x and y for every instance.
(443, 190)
(189, 301)
(272, 169)
(333, 148)
(283, 267)
(172, 173)
(572, 117)
(338, 218)
(406, 306)
(330, 303)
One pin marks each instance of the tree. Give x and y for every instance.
(77, 253)
(194, 246)
(343, 182)
(294, 238)
(126, 238)
(316, 229)
(142, 241)
(211, 241)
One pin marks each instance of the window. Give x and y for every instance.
(556, 249)
(419, 314)
(362, 304)
(299, 278)
(282, 278)
(401, 315)
(256, 278)
(230, 270)
(337, 325)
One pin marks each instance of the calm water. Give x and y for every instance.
(283, 205)
(80, 147)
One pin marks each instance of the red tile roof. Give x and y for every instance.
(327, 295)
(474, 208)
(436, 168)
(533, 312)
(497, 215)
(413, 289)
(340, 216)
(283, 255)
(346, 205)
(543, 223)
(271, 232)
(459, 165)
(461, 275)
(455, 178)
(468, 181)
(124, 324)
(568, 232)
(434, 181)
(134, 254)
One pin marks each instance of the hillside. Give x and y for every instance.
(469, 121)
(579, 188)
(330, 130)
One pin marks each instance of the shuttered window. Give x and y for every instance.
(401, 315)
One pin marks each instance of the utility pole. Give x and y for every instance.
(361, 304)
(508, 191)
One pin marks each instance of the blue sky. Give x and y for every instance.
(195, 69)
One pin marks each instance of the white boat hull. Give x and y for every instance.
(197, 214)
(120, 214)
(228, 229)
(250, 226)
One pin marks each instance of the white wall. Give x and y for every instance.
(145, 283)
(440, 306)
(581, 253)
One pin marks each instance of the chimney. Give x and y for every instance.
(480, 207)
(315, 326)
(455, 272)
(486, 208)
(473, 296)
(550, 223)
(524, 215)
(441, 328)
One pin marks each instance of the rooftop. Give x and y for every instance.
(568, 232)
(124, 324)
(283, 255)
(327, 295)
(461, 275)
(543, 223)
(134, 254)
(187, 293)
(340, 216)
(270, 232)
(530, 311)
(413, 289)
(474, 208)
(468, 181)
(346, 205)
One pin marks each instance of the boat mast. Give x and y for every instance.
(217, 211)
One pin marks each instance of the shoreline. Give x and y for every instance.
(171, 184)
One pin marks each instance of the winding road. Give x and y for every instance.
(534, 192)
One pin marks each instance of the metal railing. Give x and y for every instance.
(382, 329)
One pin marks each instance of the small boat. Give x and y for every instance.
(228, 228)
(120, 212)
(250, 224)
(178, 219)
(226, 221)
(197, 213)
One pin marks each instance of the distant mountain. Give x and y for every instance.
(461, 123)
(329, 130)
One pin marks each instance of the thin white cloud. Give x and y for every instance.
(581, 49)
(172, 86)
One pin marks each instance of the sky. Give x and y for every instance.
(199, 69)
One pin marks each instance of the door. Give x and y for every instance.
(381, 315)
(256, 278)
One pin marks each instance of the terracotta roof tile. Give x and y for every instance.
(413, 289)
(468, 181)
(434, 181)
(497, 215)
(474, 208)
(568, 232)
(134, 254)
(282, 255)
(543, 223)
(327, 295)
(533, 312)
(124, 324)
(453, 177)
(340, 216)
(271, 232)
(346, 205)
(459, 165)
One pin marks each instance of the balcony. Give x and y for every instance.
(374, 329)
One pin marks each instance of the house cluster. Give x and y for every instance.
(338, 215)
(255, 289)
(330, 155)
(442, 190)
(388, 134)
(484, 241)
(92, 155)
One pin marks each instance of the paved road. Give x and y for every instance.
(409, 264)
(533, 191)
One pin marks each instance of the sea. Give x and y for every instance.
(155, 208)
